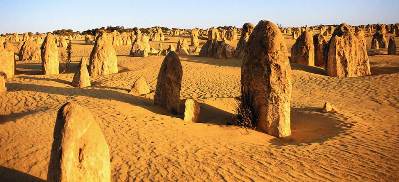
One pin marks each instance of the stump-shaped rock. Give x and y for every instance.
(30, 51)
(167, 94)
(302, 52)
(247, 29)
(81, 78)
(381, 38)
(347, 55)
(191, 110)
(266, 81)
(79, 151)
(103, 60)
(3, 80)
(392, 46)
(320, 43)
(140, 87)
(50, 60)
(7, 63)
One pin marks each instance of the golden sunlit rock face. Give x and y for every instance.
(236, 98)
(79, 150)
(266, 80)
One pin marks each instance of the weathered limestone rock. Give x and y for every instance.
(81, 78)
(347, 55)
(224, 50)
(7, 63)
(30, 51)
(50, 61)
(381, 38)
(247, 29)
(302, 52)
(140, 87)
(266, 81)
(213, 34)
(328, 107)
(3, 79)
(194, 37)
(79, 151)
(191, 110)
(182, 47)
(320, 43)
(103, 60)
(392, 46)
(167, 94)
(141, 46)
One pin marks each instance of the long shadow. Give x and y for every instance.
(309, 69)
(310, 125)
(233, 62)
(36, 68)
(7, 174)
(46, 79)
(213, 115)
(377, 70)
(94, 93)
(15, 116)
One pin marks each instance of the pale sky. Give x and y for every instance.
(48, 15)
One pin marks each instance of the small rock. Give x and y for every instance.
(140, 87)
(191, 111)
(328, 107)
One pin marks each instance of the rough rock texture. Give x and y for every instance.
(328, 107)
(103, 60)
(191, 110)
(79, 150)
(81, 78)
(302, 52)
(347, 55)
(141, 46)
(320, 43)
(224, 50)
(167, 94)
(194, 37)
(140, 87)
(392, 46)
(266, 81)
(3, 79)
(182, 47)
(7, 63)
(381, 38)
(30, 51)
(247, 29)
(50, 60)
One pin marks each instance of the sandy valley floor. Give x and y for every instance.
(358, 143)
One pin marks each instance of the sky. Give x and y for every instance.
(79, 15)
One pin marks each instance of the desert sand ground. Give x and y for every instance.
(360, 142)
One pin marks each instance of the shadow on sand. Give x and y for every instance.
(310, 125)
(7, 174)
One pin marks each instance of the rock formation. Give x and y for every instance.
(392, 46)
(30, 51)
(79, 151)
(302, 52)
(191, 110)
(7, 63)
(347, 55)
(246, 32)
(103, 60)
(379, 37)
(182, 47)
(320, 43)
(3, 79)
(50, 60)
(81, 78)
(167, 94)
(140, 87)
(266, 81)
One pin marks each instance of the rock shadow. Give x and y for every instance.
(8, 174)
